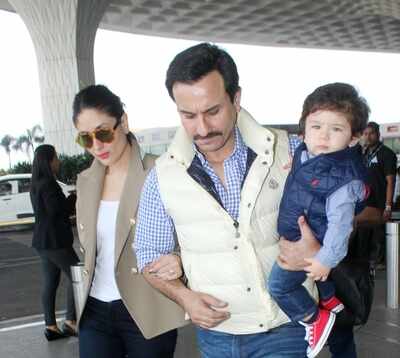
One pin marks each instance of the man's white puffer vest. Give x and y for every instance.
(220, 258)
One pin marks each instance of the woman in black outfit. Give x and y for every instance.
(52, 238)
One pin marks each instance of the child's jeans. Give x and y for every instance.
(292, 297)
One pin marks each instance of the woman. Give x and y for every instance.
(52, 238)
(122, 316)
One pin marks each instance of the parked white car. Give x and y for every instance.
(15, 202)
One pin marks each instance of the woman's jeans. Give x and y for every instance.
(53, 262)
(286, 341)
(286, 288)
(106, 330)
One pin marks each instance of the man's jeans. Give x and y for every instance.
(287, 290)
(341, 342)
(286, 341)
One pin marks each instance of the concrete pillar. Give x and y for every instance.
(63, 33)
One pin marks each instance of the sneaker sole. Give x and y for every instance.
(338, 308)
(313, 353)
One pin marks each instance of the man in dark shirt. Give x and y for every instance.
(381, 162)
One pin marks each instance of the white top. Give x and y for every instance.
(104, 287)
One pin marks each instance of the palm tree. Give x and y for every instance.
(23, 143)
(26, 142)
(35, 135)
(6, 143)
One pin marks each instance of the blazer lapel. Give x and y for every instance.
(91, 188)
(129, 200)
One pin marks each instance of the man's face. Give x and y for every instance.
(206, 112)
(370, 137)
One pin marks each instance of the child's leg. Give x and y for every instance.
(327, 298)
(326, 289)
(287, 290)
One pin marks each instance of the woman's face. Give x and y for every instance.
(92, 119)
(55, 164)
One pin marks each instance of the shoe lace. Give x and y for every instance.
(310, 334)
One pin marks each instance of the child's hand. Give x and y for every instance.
(316, 270)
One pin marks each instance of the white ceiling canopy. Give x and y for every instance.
(370, 25)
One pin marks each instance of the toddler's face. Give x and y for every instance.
(327, 132)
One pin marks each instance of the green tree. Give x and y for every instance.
(21, 168)
(26, 142)
(6, 143)
(72, 165)
(35, 135)
(22, 143)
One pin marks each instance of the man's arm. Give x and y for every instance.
(154, 238)
(389, 160)
(204, 310)
(292, 254)
(390, 181)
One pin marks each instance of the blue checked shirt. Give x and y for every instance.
(155, 229)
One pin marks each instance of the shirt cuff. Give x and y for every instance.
(150, 257)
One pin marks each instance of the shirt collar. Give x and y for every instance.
(239, 148)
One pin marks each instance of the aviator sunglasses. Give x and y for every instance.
(104, 135)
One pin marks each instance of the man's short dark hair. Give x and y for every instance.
(374, 126)
(195, 62)
(338, 97)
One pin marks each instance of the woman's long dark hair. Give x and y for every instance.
(41, 166)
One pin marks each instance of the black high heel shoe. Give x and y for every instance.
(67, 330)
(52, 335)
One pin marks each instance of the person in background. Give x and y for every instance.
(121, 316)
(52, 238)
(381, 162)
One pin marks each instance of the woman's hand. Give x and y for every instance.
(167, 267)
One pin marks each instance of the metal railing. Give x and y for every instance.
(392, 264)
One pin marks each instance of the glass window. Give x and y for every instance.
(24, 185)
(5, 188)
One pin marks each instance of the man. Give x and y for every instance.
(218, 188)
(381, 162)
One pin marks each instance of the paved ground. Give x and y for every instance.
(20, 276)
(21, 322)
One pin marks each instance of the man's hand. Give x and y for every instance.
(205, 310)
(166, 267)
(316, 270)
(292, 254)
(387, 214)
(288, 165)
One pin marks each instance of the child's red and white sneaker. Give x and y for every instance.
(332, 304)
(317, 332)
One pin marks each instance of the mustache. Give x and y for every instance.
(208, 136)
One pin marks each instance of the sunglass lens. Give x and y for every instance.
(104, 135)
(85, 140)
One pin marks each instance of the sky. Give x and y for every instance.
(274, 80)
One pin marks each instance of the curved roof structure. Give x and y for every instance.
(366, 25)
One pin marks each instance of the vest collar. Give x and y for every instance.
(260, 140)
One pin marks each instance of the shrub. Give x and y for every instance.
(21, 168)
(72, 165)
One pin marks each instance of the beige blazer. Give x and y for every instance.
(153, 313)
